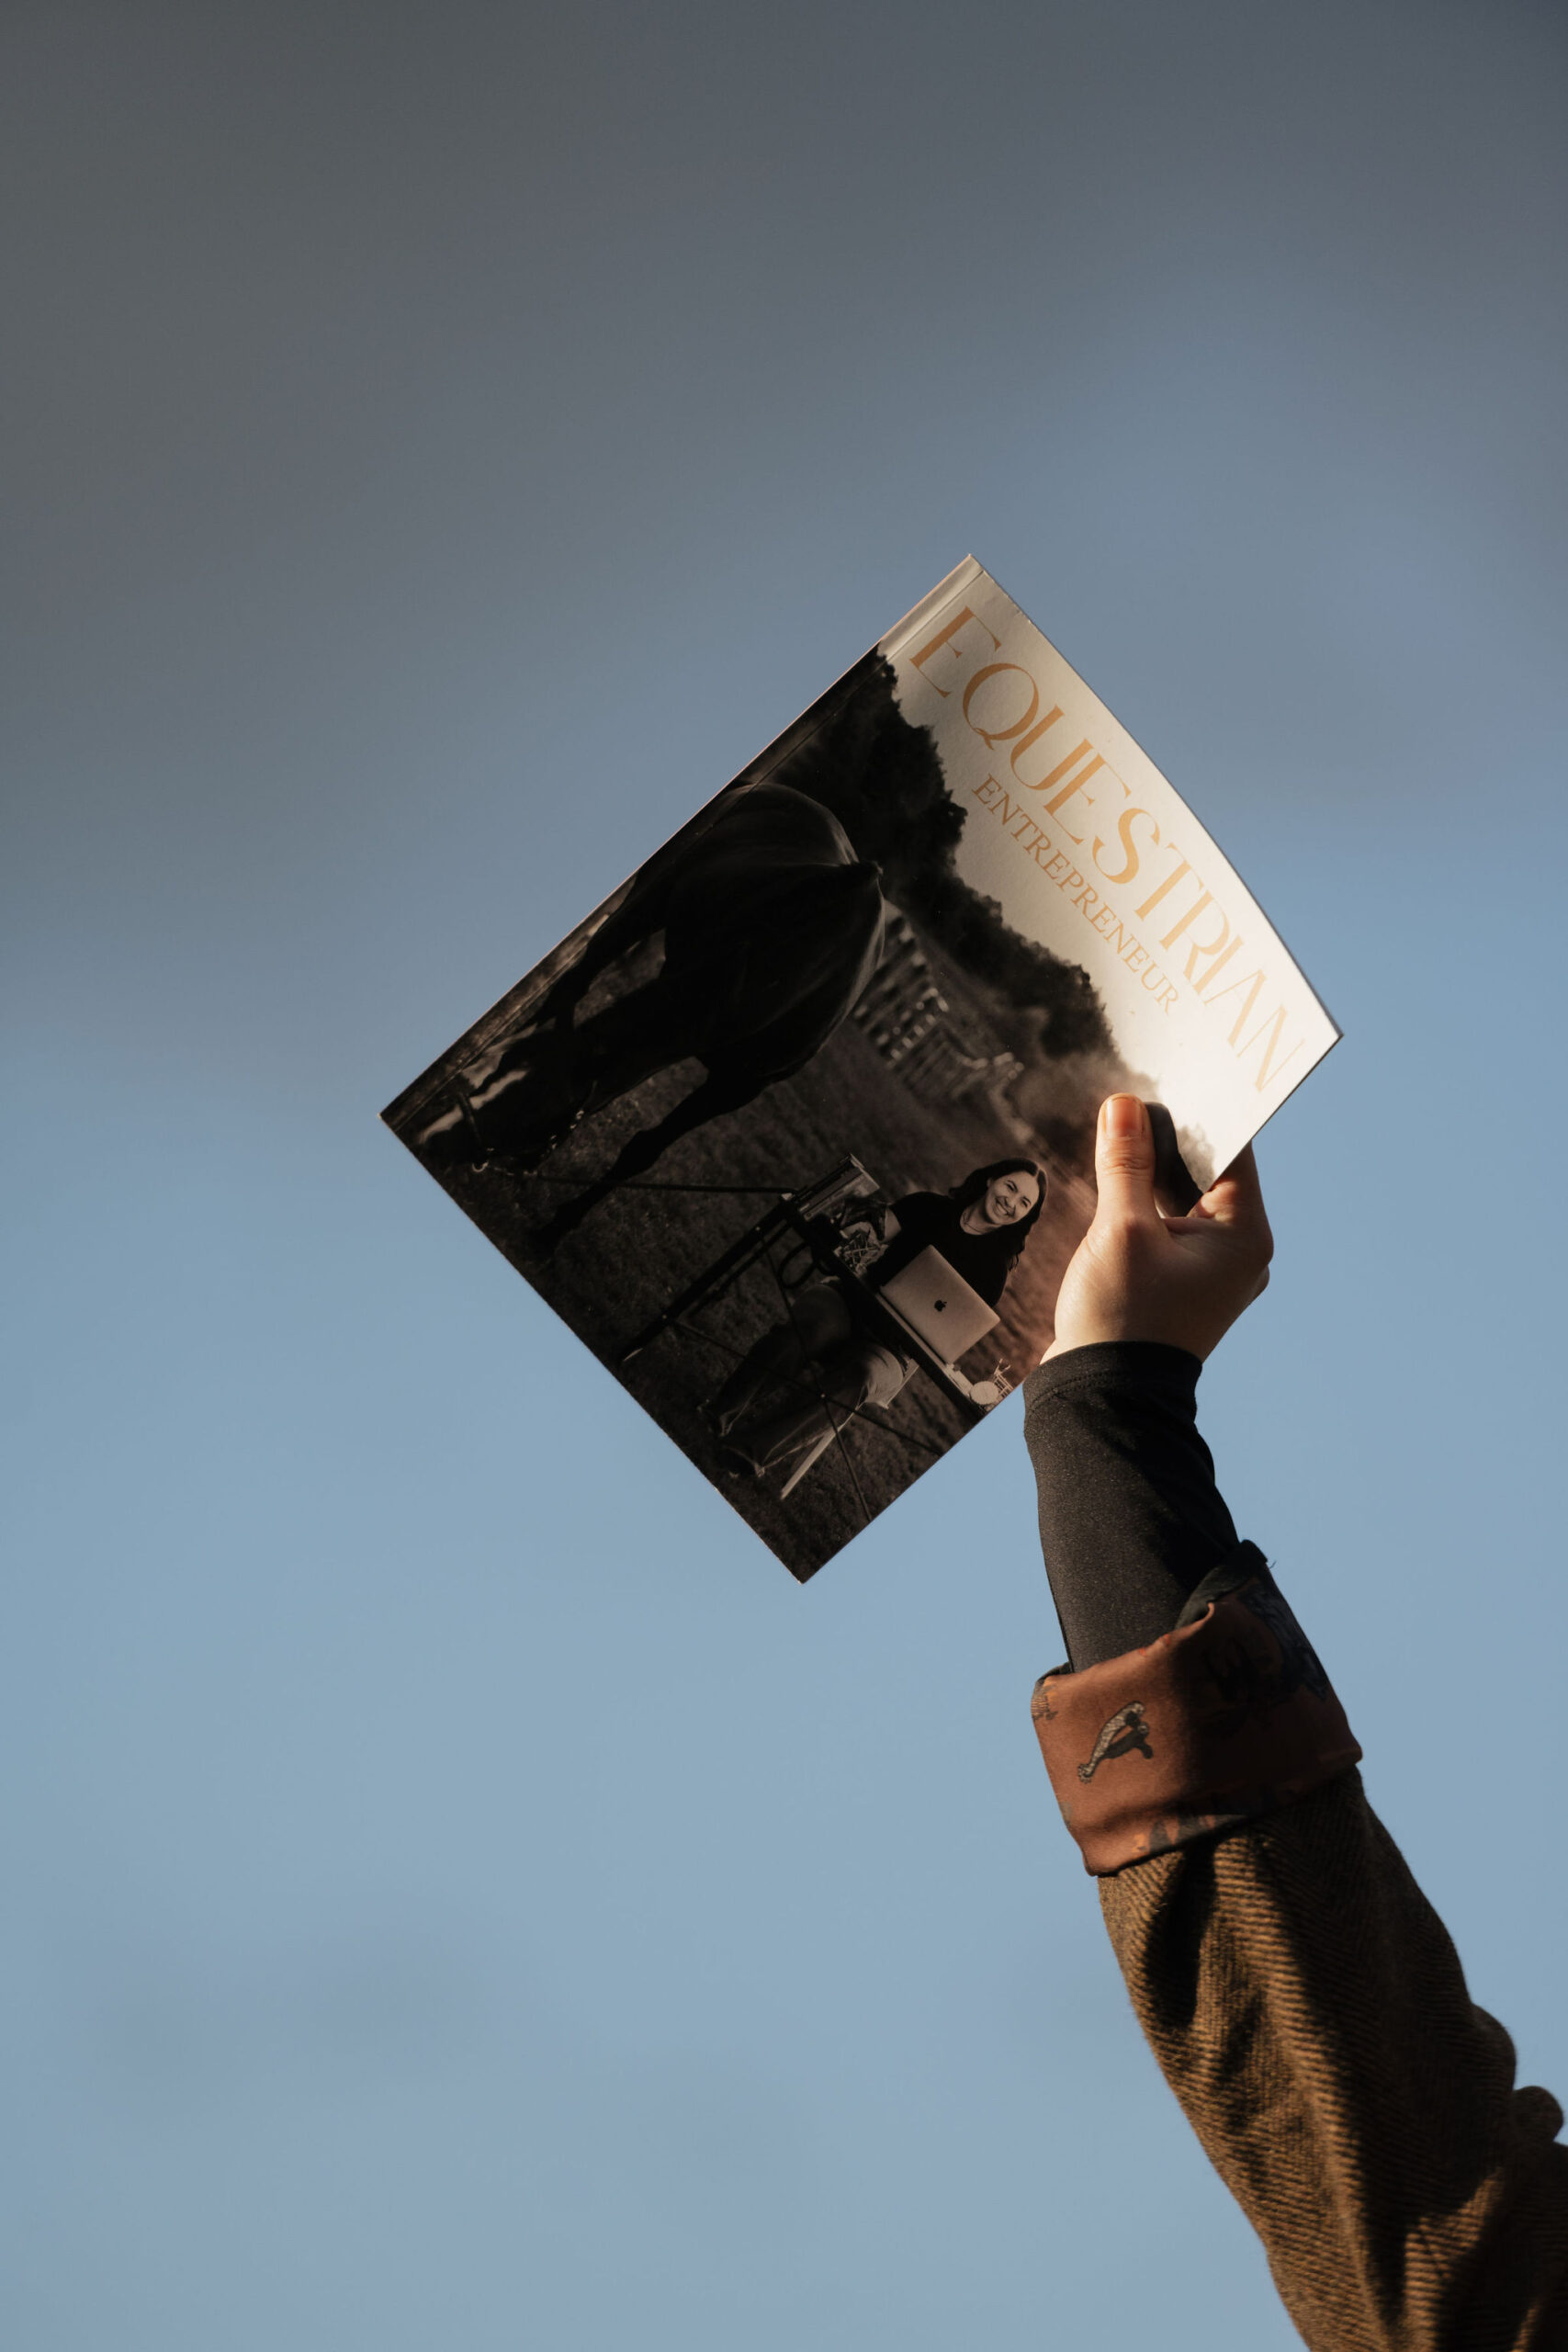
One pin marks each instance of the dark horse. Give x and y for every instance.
(772, 929)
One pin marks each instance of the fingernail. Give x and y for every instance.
(1124, 1116)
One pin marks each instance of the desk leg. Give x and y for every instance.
(718, 1276)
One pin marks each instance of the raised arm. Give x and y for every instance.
(1303, 1999)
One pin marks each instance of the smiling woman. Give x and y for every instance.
(979, 1231)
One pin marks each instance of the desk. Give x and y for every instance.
(884, 1323)
(809, 1221)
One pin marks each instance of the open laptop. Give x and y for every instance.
(938, 1306)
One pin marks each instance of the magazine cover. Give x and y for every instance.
(796, 1130)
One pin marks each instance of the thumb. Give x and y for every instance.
(1124, 1159)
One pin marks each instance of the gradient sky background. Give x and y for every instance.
(460, 1892)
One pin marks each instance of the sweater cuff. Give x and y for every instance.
(1155, 1365)
(1226, 1719)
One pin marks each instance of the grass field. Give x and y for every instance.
(641, 1246)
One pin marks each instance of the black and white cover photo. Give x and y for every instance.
(795, 1129)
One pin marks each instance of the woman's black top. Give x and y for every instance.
(930, 1221)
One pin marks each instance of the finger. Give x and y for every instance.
(1236, 1196)
(1124, 1159)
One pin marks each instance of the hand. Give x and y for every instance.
(1136, 1275)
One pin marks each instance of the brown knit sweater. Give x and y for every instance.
(1310, 2013)
(1302, 1996)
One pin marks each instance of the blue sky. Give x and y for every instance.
(461, 1891)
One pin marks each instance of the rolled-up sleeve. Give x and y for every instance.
(1303, 2000)
(1223, 1719)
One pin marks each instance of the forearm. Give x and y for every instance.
(1303, 1999)
(1129, 1517)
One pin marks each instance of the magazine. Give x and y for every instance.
(796, 1130)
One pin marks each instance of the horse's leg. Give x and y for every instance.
(528, 1102)
(530, 1091)
(546, 1026)
(644, 911)
(524, 1114)
(638, 916)
(638, 1154)
(549, 1023)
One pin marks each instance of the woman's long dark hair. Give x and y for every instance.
(1013, 1237)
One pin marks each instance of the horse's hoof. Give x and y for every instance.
(522, 1153)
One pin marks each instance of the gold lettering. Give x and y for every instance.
(1276, 1032)
(1217, 966)
(1033, 736)
(1124, 828)
(1152, 901)
(1179, 926)
(1008, 811)
(997, 670)
(935, 644)
(1202, 946)
(1249, 1001)
(1074, 785)
(1060, 770)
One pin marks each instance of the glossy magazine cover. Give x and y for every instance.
(795, 1130)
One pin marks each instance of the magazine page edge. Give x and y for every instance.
(1295, 960)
